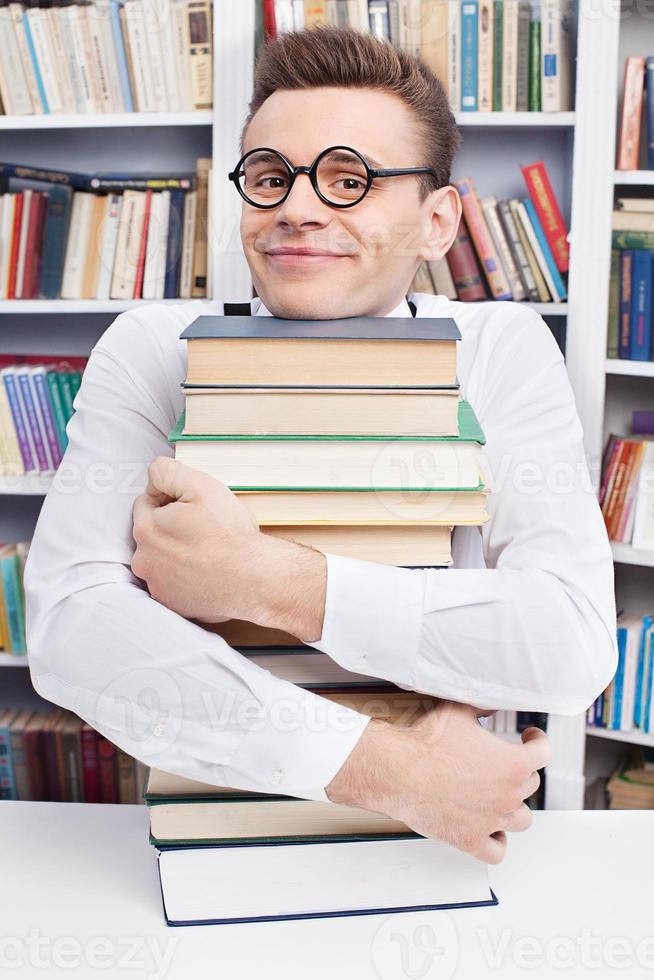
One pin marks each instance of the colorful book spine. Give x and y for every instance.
(12, 602)
(534, 60)
(495, 276)
(649, 102)
(25, 390)
(469, 53)
(41, 387)
(463, 266)
(631, 113)
(547, 207)
(35, 63)
(7, 781)
(626, 262)
(559, 285)
(640, 326)
(498, 30)
(20, 422)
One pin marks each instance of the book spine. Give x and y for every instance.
(14, 89)
(20, 423)
(42, 394)
(649, 84)
(13, 458)
(640, 327)
(68, 50)
(55, 239)
(90, 773)
(615, 492)
(555, 93)
(559, 286)
(143, 242)
(490, 209)
(16, 11)
(453, 54)
(517, 250)
(57, 410)
(35, 764)
(200, 53)
(485, 56)
(482, 241)
(498, 48)
(619, 677)
(626, 264)
(522, 56)
(35, 63)
(126, 777)
(174, 245)
(7, 781)
(13, 610)
(15, 245)
(28, 196)
(534, 65)
(544, 200)
(121, 56)
(38, 24)
(469, 44)
(108, 246)
(464, 267)
(186, 273)
(630, 116)
(96, 17)
(509, 55)
(25, 390)
(107, 770)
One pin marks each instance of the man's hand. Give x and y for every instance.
(201, 553)
(446, 777)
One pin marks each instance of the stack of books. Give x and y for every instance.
(36, 404)
(510, 249)
(491, 55)
(630, 290)
(101, 56)
(348, 435)
(102, 236)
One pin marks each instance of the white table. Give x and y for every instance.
(79, 893)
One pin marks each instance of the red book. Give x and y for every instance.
(548, 211)
(269, 23)
(482, 241)
(34, 243)
(464, 267)
(91, 775)
(107, 775)
(15, 242)
(35, 759)
(138, 285)
(630, 114)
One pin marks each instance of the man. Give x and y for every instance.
(525, 618)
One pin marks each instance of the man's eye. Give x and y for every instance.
(277, 182)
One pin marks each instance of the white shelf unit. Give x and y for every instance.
(633, 738)
(45, 306)
(641, 178)
(636, 369)
(13, 660)
(578, 148)
(116, 120)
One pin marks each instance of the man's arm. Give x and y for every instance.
(164, 689)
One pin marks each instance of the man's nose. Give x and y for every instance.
(303, 204)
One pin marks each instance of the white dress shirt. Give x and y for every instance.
(523, 619)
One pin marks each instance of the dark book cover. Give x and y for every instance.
(348, 328)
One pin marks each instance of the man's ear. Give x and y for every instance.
(441, 212)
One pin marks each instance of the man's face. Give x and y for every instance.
(376, 246)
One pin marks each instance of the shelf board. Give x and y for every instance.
(107, 121)
(638, 369)
(548, 309)
(29, 486)
(635, 738)
(13, 660)
(513, 120)
(625, 554)
(642, 177)
(14, 306)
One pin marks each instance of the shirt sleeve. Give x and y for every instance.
(160, 687)
(536, 628)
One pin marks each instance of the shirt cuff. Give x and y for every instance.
(373, 618)
(295, 744)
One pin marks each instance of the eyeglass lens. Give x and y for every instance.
(341, 176)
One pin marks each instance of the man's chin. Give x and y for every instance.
(295, 302)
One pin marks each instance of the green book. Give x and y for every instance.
(498, 27)
(633, 239)
(57, 409)
(614, 305)
(534, 67)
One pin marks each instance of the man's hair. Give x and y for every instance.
(343, 57)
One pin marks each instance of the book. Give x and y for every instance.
(359, 351)
(387, 545)
(548, 211)
(318, 880)
(630, 114)
(469, 54)
(464, 267)
(321, 411)
(346, 463)
(488, 257)
(640, 322)
(556, 86)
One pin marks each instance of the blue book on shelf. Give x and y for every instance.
(119, 45)
(35, 63)
(649, 104)
(626, 264)
(174, 244)
(57, 219)
(7, 777)
(649, 687)
(13, 602)
(645, 639)
(545, 248)
(640, 326)
(469, 39)
(614, 721)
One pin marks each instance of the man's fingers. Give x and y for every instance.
(521, 819)
(538, 746)
(168, 479)
(493, 849)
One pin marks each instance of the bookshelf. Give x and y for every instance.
(578, 148)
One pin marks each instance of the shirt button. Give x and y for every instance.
(276, 777)
(159, 728)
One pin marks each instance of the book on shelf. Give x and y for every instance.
(106, 56)
(36, 403)
(630, 309)
(55, 756)
(102, 236)
(506, 250)
(627, 704)
(490, 55)
(631, 786)
(626, 491)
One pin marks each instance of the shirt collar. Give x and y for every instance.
(258, 309)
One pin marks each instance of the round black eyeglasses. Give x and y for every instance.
(340, 176)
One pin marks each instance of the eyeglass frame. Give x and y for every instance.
(312, 171)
